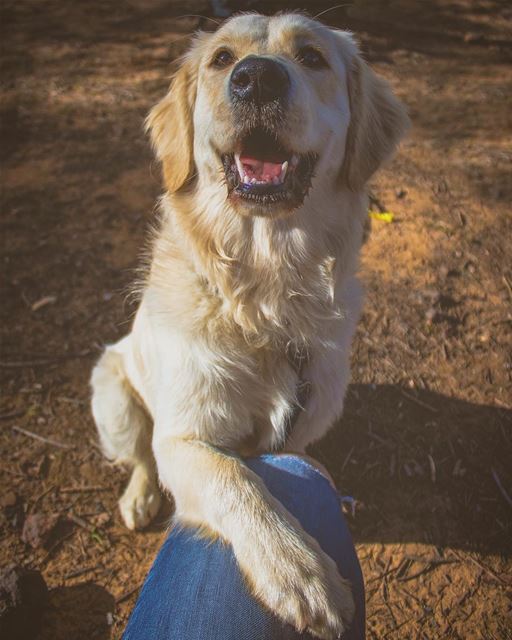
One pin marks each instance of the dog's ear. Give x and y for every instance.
(378, 121)
(171, 126)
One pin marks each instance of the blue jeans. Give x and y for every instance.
(195, 591)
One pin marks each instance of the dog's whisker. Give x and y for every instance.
(338, 6)
(197, 15)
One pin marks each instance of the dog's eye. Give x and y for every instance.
(223, 58)
(311, 57)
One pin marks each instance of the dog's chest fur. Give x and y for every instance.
(257, 302)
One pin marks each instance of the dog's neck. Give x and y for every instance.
(273, 278)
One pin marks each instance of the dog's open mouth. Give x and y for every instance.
(264, 172)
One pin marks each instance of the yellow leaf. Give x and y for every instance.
(383, 216)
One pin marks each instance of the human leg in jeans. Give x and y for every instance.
(195, 591)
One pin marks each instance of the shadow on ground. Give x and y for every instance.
(79, 612)
(421, 465)
(423, 468)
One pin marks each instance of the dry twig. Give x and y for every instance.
(27, 364)
(36, 436)
(79, 572)
(124, 596)
(480, 566)
(419, 402)
(12, 414)
(80, 522)
(82, 489)
(504, 493)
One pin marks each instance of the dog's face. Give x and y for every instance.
(270, 108)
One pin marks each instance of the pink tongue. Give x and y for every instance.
(260, 169)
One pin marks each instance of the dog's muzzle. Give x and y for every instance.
(261, 169)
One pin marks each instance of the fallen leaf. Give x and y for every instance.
(383, 216)
(38, 528)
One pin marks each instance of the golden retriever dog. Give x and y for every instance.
(269, 133)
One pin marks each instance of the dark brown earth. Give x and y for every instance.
(425, 445)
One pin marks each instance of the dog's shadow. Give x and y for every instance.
(423, 467)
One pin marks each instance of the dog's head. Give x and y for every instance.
(268, 108)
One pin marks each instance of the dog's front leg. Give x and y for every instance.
(285, 568)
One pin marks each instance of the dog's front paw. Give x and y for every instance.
(140, 502)
(305, 589)
(319, 601)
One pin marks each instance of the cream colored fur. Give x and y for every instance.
(203, 376)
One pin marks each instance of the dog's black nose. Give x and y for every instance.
(259, 80)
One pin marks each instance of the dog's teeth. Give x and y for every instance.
(247, 180)
(284, 169)
(240, 167)
(254, 181)
(276, 180)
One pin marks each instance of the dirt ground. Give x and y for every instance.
(425, 444)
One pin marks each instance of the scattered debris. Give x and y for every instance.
(458, 469)
(12, 414)
(91, 489)
(42, 362)
(101, 519)
(432, 466)
(502, 489)
(420, 403)
(8, 499)
(348, 505)
(81, 572)
(382, 216)
(36, 436)
(472, 37)
(43, 302)
(127, 594)
(39, 529)
(81, 522)
(12, 510)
